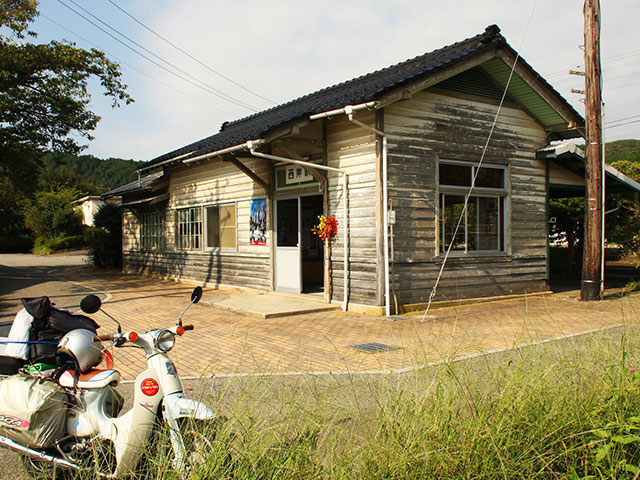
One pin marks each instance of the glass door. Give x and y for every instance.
(288, 274)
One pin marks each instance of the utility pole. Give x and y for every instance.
(592, 284)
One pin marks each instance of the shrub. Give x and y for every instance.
(105, 239)
(45, 245)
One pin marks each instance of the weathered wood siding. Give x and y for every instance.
(437, 124)
(353, 148)
(212, 182)
(562, 176)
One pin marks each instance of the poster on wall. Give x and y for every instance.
(258, 234)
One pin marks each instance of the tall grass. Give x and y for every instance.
(568, 409)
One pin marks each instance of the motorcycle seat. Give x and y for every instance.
(92, 379)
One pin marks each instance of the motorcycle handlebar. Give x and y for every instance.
(188, 327)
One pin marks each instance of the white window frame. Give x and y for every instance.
(500, 194)
(189, 230)
(152, 231)
(205, 235)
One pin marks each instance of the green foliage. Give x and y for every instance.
(44, 107)
(624, 225)
(60, 243)
(618, 150)
(14, 237)
(51, 214)
(542, 412)
(17, 14)
(105, 240)
(105, 174)
(44, 93)
(569, 215)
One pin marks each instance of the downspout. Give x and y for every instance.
(349, 110)
(345, 192)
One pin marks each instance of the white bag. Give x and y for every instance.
(19, 333)
(32, 410)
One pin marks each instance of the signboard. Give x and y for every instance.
(296, 174)
(258, 222)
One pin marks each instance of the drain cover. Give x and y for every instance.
(373, 347)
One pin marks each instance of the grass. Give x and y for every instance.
(569, 409)
(562, 410)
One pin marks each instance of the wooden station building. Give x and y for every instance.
(392, 155)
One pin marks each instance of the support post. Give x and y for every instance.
(592, 284)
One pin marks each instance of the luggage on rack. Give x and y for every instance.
(34, 334)
(32, 410)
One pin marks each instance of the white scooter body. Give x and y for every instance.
(157, 385)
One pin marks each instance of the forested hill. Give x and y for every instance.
(623, 150)
(114, 172)
(104, 174)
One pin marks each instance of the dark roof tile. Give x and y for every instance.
(359, 90)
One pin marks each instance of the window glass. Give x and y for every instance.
(450, 211)
(481, 226)
(151, 231)
(228, 226)
(221, 226)
(189, 228)
(490, 178)
(455, 175)
(287, 224)
(213, 230)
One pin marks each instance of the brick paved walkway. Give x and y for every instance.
(225, 343)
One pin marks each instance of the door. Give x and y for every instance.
(288, 252)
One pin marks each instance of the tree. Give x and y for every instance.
(44, 100)
(624, 224)
(105, 248)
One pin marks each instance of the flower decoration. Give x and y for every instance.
(327, 228)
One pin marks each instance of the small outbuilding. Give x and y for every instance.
(391, 155)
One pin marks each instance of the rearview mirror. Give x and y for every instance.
(196, 295)
(90, 304)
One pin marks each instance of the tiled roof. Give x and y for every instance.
(144, 183)
(359, 90)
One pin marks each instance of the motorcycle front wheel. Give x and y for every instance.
(208, 447)
(42, 470)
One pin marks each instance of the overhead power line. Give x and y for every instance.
(188, 54)
(89, 42)
(623, 124)
(622, 119)
(206, 88)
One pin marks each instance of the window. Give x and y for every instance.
(221, 226)
(189, 228)
(482, 225)
(151, 231)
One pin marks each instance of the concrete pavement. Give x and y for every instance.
(228, 343)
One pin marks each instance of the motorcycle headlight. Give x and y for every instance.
(165, 340)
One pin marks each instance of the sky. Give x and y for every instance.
(249, 55)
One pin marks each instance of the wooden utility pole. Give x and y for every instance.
(592, 286)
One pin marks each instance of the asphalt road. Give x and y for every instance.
(23, 276)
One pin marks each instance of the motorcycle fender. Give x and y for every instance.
(177, 406)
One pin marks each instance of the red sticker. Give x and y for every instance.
(149, 387)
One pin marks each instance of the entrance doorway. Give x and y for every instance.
(299, 263)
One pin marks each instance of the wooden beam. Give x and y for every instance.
(247, 171)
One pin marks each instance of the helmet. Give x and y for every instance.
(80, 347)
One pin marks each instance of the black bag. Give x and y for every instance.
(49, 325)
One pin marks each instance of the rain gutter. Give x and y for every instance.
(349, 110)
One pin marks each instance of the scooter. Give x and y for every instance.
(99, 440)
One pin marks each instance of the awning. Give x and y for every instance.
(567, 171)
(146, 202)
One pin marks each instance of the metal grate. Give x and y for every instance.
(373, 347)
